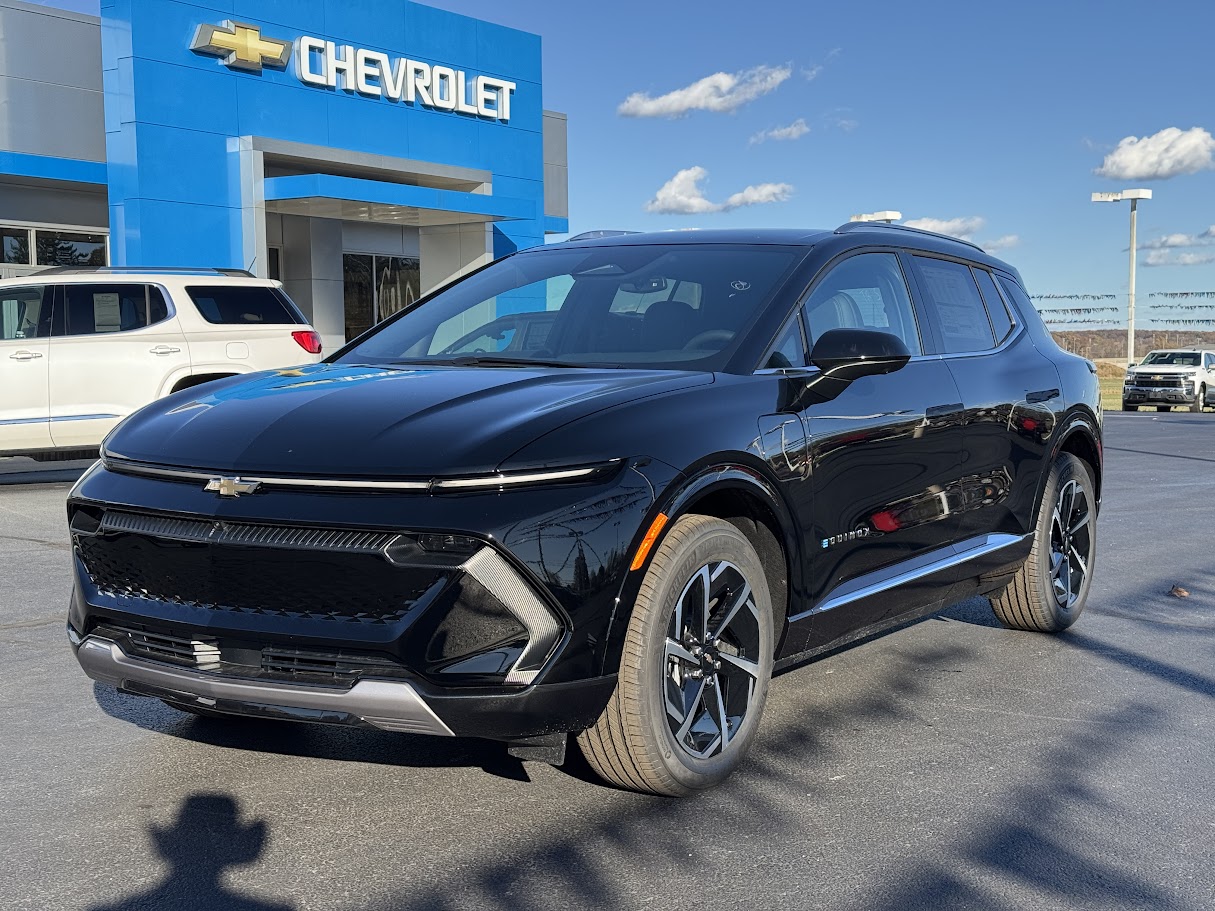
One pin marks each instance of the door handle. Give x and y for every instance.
(1042, 395)
(164, 349)
(24, 355)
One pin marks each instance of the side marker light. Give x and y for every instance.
(647, 542)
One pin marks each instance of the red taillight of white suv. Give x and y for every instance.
(308, 339)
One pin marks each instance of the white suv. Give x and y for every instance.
(82, 348)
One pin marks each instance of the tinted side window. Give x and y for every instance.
(1001, 322)
(952, 294)
(864, 292)
(790, 349)
(242, 304)
(25, 312)
(93, 309)
(1210, 361)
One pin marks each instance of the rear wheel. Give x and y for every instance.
(1049, 591)
(695, 669)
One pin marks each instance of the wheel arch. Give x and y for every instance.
(197, 379)
(742, 496)
(1080, 435)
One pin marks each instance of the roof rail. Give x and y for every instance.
(849, 227)
(595, 235)
(104, 270)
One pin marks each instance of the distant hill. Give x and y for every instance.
(1111, 343)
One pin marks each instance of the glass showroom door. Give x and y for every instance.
(376, 287)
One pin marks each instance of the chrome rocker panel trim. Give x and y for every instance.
(961, 553)
(390, 705)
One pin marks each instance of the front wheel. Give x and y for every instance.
(1126, 407)
(1199, 399)
(695, 668)
(1049, 590)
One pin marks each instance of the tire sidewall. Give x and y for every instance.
(1066, 468)
(716, 541)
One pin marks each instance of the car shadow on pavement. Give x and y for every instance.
(333, 742)
(1044, 834)
(207, 839)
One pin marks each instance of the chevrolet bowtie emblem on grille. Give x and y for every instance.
(241, 46)
(231, 487)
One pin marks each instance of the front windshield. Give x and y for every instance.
(1173, 358)
(666, 306)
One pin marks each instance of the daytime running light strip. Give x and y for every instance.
(485, 483)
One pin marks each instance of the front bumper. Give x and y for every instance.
(1158, 395)
(393, 705)
(308, 606)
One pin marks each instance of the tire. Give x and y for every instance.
(1126, 407)
(660, 732)
(1034, 599)
(1164, 407)
(1199, 399)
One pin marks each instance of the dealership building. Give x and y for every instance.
(363, 152)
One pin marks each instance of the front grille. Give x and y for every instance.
(339, 666)
(202, 653)
(249, 659)
(212, 532)
(311, 574)
(1164, 382)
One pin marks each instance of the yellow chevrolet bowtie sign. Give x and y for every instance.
(241, 46)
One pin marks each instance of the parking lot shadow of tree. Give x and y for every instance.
(206, 839)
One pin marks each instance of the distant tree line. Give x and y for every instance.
(1111, 343)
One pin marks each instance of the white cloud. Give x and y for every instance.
(795, 130)
(811, 72)
(1160, 156)
(682, 195)
(1007, 242)
(965, 227)
(721, 93)
(1175, 241)
(1165, 258)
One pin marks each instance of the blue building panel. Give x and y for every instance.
(176, 114)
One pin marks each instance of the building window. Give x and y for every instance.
(375, 287)
(64, 248)
(15, 246)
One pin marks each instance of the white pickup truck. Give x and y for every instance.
(1168, 378)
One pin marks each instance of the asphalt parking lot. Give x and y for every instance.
(948, 764)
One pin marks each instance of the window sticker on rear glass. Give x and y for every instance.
(107, 313)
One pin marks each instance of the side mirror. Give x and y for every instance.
(849, 354)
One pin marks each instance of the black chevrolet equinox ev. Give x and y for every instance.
(602, 488)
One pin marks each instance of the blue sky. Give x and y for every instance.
(942, 110)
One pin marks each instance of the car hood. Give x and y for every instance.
(339, 420)
(1161, 370)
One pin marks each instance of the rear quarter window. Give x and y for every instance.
(235, 305)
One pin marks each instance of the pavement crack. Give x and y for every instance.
(59, 544)
(31, 624)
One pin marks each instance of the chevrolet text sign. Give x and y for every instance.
(372, 73)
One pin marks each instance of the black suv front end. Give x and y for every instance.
(460, 619)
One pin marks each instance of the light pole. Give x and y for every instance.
(1134, 196)
(887, 217)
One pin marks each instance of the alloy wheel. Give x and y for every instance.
(1070, 543)
(711, 659)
